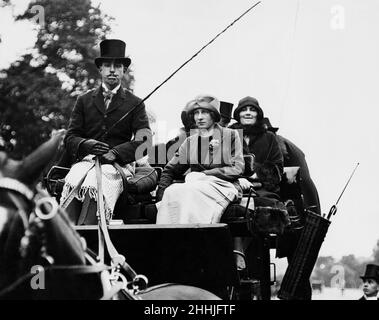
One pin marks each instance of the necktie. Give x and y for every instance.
(108, 95)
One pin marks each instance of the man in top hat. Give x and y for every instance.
(371, 283)
(95, 130)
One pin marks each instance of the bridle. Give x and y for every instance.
(46, 208)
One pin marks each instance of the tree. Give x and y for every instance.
(322, 269)
(328, 270)
(38, 91)
(353, 270)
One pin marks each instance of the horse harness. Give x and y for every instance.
(39, 207)
(139, 282)
(13, 185)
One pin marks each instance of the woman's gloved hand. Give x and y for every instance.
(245, 184)
(92, 146)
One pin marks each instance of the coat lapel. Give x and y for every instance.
(117, 100)
(217, 153)
(98, 99)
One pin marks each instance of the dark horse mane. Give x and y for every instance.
(35, 231)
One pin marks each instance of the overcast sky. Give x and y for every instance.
(316, 77)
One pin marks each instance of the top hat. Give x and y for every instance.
(267, 124)
(112, 49)
(226, 110)
(372, 272)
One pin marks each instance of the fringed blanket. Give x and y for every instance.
(201, 199)
(111, 182)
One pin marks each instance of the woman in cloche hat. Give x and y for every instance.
(213, 158)
(266, 161)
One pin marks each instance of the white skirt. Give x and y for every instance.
(200, 199)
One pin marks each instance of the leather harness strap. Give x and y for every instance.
(75, 269)
(71, 195)
(16, 186)
(103, 234)
(104, 238)
(124, 182)
(100, 208)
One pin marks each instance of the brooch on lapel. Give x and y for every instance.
(213, 145)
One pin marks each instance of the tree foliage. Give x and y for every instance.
(38, 91)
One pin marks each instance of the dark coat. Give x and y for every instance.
(294, 157)
(364, 298)
(268, 158)
(90, 120)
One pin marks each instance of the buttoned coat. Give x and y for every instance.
(90, 120)
(226, 162)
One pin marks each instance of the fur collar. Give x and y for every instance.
(250, 130)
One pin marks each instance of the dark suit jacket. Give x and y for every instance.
(90, 120)
(293, 156)
(364, 298)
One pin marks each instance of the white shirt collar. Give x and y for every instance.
(114, 90)
(372, 298)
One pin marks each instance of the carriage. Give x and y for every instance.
(201, 255)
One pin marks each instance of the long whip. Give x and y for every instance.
(179, 68)
(333, 209)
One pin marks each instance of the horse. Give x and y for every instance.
(36, 234)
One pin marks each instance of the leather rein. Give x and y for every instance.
(139, 282)
(15, 186)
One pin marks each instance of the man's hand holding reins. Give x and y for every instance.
(92, 146)
(109, 157)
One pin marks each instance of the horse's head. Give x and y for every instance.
(51, 242)
(35, 232)
(25, 239)
(31, 167)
